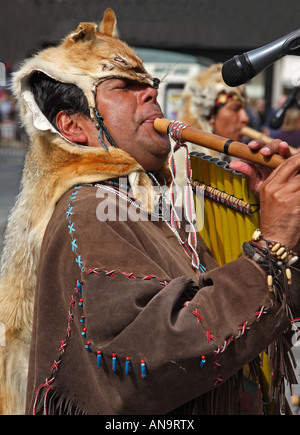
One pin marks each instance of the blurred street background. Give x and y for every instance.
(175, 38)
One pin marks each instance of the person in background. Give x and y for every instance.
(257, 114)
(290, 129)
(210, 105)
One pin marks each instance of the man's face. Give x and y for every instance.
(230, 119)
(129, 109)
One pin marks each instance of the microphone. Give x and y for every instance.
(277, 119)
(242, 68)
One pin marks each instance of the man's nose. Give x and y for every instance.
(147, 94)
(244, 116)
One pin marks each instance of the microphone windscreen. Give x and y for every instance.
(237, 71)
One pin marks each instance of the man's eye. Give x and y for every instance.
(122, 84)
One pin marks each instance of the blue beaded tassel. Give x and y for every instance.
(87, 346)
(127, 365)
(79, 287)
(99, 358)
(114, 362)
(143, 369)
(203, 361)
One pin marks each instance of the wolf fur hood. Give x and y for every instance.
(53, 165)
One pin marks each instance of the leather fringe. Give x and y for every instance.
(57, 405)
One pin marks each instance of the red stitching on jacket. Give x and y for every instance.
(129, 275)
(218, 380)
(109, 272)
(243, 327)
(55, 365)
(126, 274)
(62, 346)
(93, 270)
(209, 336)
(197, 314)
(217, 364)
(260, 313)
(227, 342)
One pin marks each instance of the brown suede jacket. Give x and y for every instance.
(123, 326)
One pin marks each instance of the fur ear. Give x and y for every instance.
(84, 32)
(108, 25)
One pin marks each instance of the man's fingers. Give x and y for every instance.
(280, 147)
(255, 174)
(244, 167)
(276, 146)
(287, 170)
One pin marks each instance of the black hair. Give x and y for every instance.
(53, 96)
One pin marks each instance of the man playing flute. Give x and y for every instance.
(110, 307)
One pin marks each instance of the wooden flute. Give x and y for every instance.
(220, 144)
(254, 134)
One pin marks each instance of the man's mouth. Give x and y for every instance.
(152, 118)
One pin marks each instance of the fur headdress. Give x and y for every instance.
(52, 166)
(200, 94)
(85, 58)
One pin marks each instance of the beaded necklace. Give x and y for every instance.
(115, 186)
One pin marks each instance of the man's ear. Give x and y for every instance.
(71, 127)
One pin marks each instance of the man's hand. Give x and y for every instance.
(280, 203)
(278, 190)
(256, 174)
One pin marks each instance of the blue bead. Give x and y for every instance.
(114, 362)
(127, 366)
(143, 369)
(99, 358)
(87, 346)
(203, 361)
